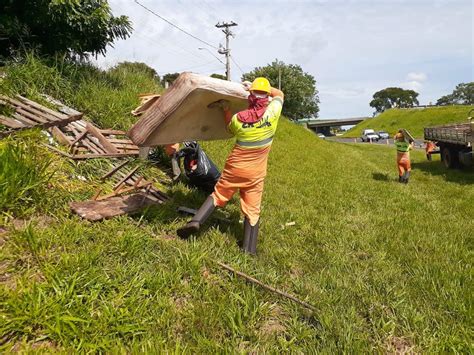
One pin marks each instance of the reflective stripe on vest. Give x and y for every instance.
(255, 144)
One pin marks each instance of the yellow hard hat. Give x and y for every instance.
(261, 84)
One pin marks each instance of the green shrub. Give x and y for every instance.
(24, 173)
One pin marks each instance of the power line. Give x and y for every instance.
(238, 66)
(176, 26)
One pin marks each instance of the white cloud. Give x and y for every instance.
(420, 77)
(412, 85)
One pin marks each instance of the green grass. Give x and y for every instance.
(24, 172)
(414, 120)
(383, 263)
(387, 266)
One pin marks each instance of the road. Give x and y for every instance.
(418, 142)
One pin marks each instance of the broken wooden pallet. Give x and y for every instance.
(114, 206)
(135, 182)
(146, 101)
(86, 141)
(29, 114)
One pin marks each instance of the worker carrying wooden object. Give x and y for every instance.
(181, 114)
(246, 166)
(403, 143)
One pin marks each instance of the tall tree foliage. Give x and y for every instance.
(301, 95)
(393, 97)
(463, 94)
(73, 27)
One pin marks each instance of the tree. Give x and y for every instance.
(218, 76)
(137, 67)
(169, 78)
(301, 96)
(71, 27)
(393, 97)
(463, 94)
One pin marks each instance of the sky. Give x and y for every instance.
(353, 48)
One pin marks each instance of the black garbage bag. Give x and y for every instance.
(199, 169)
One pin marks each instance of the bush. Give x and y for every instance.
(24, 172)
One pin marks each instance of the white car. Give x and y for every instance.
(369, 135)
(383, 135)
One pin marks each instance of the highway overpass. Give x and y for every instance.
(324, 126)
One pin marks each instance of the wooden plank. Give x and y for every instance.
(114, 170)
(93, 146)
(95, 156)
(111, 207)
(121, 141)
(54, 149)
(9, 122)
(109, 147)
(33, 117)
(26, 121)
(80, 137)
(33, 110)
(126, 177)
(60, 136)
(114, 132)
(36, 105)
(124, 191)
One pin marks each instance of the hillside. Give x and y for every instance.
(412, 119)
(387, 266)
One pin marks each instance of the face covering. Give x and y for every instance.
(257, 106)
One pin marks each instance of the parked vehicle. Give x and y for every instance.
(383, 135)
(369, 135)
(454, 141)
(320, 135)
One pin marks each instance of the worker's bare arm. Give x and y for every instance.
(277, 93)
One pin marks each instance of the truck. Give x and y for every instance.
(454, 141)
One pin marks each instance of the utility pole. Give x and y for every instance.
(226, 50)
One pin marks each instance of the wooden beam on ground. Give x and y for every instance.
(105, 155)
(114, 170)
(60, 136)
(111, 207)
(123, 191)
(109, 147)
(80, 137)
(54, 149)
(126, 177)
(267, 287)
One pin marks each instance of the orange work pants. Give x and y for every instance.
(250, 190)
(403, 162)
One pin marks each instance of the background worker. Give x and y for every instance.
(403, 156)
(246, 166)
(429, 148)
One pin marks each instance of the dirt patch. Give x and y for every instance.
(6, 278)
(3, 236)
(273, 324)
(399, 346)
(41, 221)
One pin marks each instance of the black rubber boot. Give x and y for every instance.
(199, 218)
(407, 176)
(247, 232)
(250, 237)
(400, 179)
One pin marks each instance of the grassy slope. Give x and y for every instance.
(386, 265)
(382, 262)
(412, 119)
